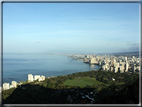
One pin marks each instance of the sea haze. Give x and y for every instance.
(16, 67)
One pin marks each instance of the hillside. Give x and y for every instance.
(64, 90)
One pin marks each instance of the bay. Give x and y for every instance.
(16, 67)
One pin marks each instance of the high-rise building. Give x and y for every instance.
(93, 61)
(11, 86)
(120, 61)
(36, 77)
(114, 61)
(103, 67)
(126, 66)
(125, 59)
(100, 62)
(107, 69)
(14, 83)
(30, 77)
(6, 86)
(115, 69)
(134, 68)
(43, 78)
(121, 69)
(40, 79)
(0, 89)
(116, 64)
(111, 68)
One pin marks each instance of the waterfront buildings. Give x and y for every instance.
(36, 77)
(112, 63)
(30, 78)
(93, 61)
(41, 78)
(6, 86)
(14, 84)
(11, 86)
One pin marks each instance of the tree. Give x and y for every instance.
(71, 78)
(59, 82)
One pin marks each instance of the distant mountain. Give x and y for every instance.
(65, 51)
(126, 52)
(136, 53)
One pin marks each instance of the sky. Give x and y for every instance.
(70, 27)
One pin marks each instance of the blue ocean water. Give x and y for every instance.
(16, 67)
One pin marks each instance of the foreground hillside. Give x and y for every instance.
(88, 87)
(128, 94)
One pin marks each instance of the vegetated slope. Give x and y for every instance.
(126, 94)
(53, 90)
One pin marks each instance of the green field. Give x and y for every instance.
(82, 82)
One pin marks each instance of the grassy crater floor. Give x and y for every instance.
(82, 82)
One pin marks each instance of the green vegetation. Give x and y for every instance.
(124, 94)
(71, 88)
(82, 82)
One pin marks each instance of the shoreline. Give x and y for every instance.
(8, 80)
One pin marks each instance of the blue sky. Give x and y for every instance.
(70, 27)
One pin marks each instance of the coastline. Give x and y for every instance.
(66, 67)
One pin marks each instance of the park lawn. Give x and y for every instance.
(82, 82)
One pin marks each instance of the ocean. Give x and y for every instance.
(16, 67)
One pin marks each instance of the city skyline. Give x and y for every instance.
(71, 27)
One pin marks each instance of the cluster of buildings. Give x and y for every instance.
(112, 63)
(7, 86)
(36, 77)
(14, 84)
(121, 64)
